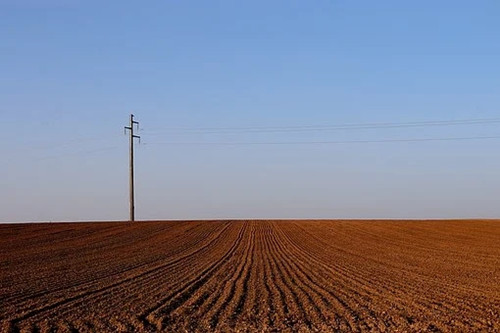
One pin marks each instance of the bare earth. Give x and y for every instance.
(287, 276)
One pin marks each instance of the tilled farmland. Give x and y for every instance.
(291, 276)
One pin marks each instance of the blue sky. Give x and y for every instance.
(72, 71)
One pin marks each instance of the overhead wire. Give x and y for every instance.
(325, 142)
(303, 128)
(314, 128)
(311, 128)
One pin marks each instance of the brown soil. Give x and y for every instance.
(251, 276)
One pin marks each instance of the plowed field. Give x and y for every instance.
(251, 276)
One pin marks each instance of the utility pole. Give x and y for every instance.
(132, 136)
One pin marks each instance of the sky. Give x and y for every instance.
(198, 72)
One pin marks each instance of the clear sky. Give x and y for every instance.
(71, 71)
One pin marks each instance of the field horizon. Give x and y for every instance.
(229, 219)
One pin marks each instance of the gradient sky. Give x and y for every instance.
(72, 71)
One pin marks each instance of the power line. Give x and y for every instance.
(326, 142)
(310, 128)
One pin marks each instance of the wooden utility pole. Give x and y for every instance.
(132, 136)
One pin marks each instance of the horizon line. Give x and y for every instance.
(261, 219)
